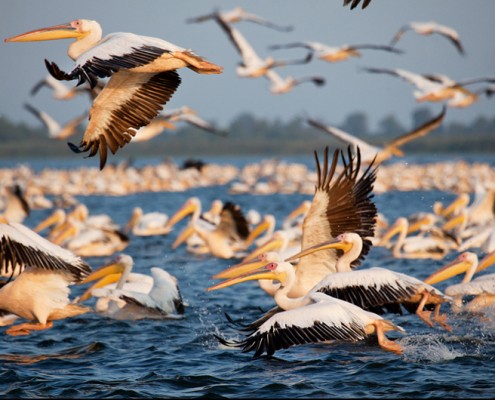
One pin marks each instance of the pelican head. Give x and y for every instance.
(465, 262)
(263, 267)
(77, 29)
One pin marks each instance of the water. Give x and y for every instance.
(92, 356)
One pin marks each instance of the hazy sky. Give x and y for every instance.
(220, 98)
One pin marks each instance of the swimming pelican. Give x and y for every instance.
(149, 224)
(482, 288)
(43, 273)
(432, 88)
(370, 152)
(252, 66)
(55, 130)
(312, 318)
(238, 14)
(17, 208)
(144, 66)
(134, 296)
(355, 3)
(341, 203)
(429, 28)
(334, 54)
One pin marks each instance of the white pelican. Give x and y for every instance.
(279, 85)
(312, 318)
(392, 148)
(63, 92)
(224, 240)
(187, 114)
(153, 129)
(334, 54)
(238, 14)
(341, 203)
(429, 28)
(432, 88)
(482, 288)
(147, 224)
(435, 246)
(134, 296)
(252, 66)
(355, 3)
(144, 66)
(43, 273)
(17, 207)
(55, 130)
(266, 225)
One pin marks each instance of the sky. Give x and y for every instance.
(221, 98)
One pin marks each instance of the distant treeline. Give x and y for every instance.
(249, 135)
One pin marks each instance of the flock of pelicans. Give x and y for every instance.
(310, 265)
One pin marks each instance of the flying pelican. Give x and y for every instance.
(312, 318)
(225, 239)
(279, 85)
(43, 273)
(153, 129)
(144, 66)
(149, 224)
(17, 208)
(334, 54)
(355, 3)
(431, 88)
(482, 288)
(252, 66)
(187, 114)
(370, 152)
(134, 296)
(63, 92)
(55, 130)
(429, 28)
(341, 203)
(238, 14)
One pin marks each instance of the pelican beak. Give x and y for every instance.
(394, 229)
(454, 268)
(183, 236)
(63, 31)
(105, 275)
(460, 202)
(256, 273)
(260, 228)
(453, 222)
(331, 244)
(274, 243)
(301, 209)
(488, 260)
(107, 280)
(417, 225)
(132, 222)
(183, 212)
(241, 268)
(49, 221)
(70, 231)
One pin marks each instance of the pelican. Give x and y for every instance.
(429, 28)
(149, 224)
(43, 273)
(63, 92)
(279, 85)
(142, 73)
(238, 14)
(341, 203)
(134, 296)
(334, 54)
(312, 318)
(55, 130)
(17, 208)
(355, 3)
(432, 88)
(187, 114)
(266, 225)
(252, 66)
(153, 129)
(435, 246)
(370, 152)
(224, 240)
(482, 288)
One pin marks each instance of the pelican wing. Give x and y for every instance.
(355, 3)
(417, 80)
(421, 131)
(20, 247)
(343, 204)
(233, 223)
(315, 323)
(128, 102)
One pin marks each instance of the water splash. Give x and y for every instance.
(428, 348)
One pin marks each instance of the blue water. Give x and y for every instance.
(93, 357)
